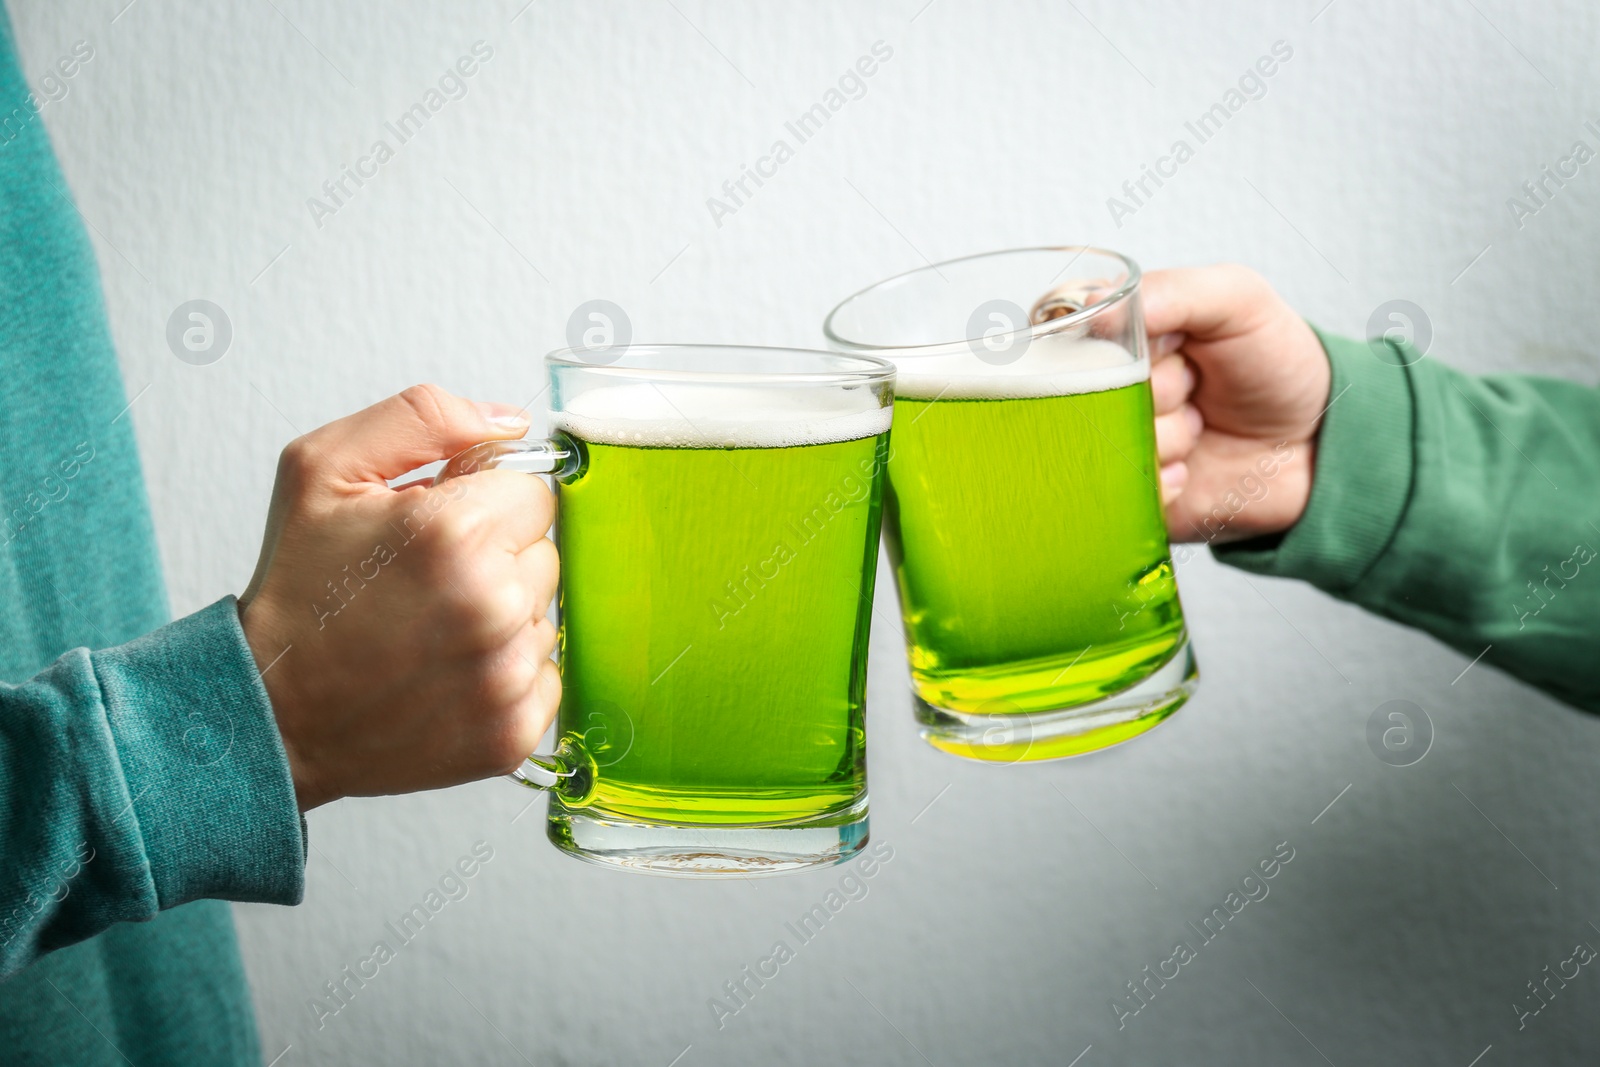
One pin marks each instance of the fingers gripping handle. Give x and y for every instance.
(567, 771)
(541, 772)
(559, 456)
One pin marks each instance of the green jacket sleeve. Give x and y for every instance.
(1468, 507)
(138, 778)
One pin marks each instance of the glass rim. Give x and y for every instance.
(1049, 326)
(835, 368)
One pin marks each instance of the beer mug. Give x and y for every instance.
(1024, 515)
(718, 514)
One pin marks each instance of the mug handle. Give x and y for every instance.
(567, 771)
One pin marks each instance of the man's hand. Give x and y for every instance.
(411, 621)
(1240, 385)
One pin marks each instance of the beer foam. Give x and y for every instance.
(1050, 366)
(720, 416)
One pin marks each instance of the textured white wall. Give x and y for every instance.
(1376, 167)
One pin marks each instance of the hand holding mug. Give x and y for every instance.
(410, 622)
(1240, 383)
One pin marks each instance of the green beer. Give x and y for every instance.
(1029, 545)
(1023, 511)
(1030, 549)
(718, 516)
(714, 613)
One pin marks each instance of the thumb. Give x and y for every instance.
(419, 425)
(1207, 303)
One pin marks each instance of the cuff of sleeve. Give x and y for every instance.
(204, 763)
(1361, 483)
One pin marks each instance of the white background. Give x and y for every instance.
(1376, 167)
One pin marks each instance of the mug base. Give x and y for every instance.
(1027, 737)
(709, 851)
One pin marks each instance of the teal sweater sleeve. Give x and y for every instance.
(1468, 507)
(138, 778)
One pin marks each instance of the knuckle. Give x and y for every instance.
(512, 491)
(546, 566)
(428, 402)
(448, 532)
(546, 555)
(506, 605)
(510, 746)
(507, 766)
(485, 615)
(511, 680)
(548, 689)
(543, 495)
(1242, 276)
(519, 733)
(452, 529)
(1188, 427)
(517, 492)
(1174, 437)
(297, 461)
(544, 503)
(544, 637)
(474, 626)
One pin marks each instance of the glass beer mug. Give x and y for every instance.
(1023, 510)
(718, 517)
